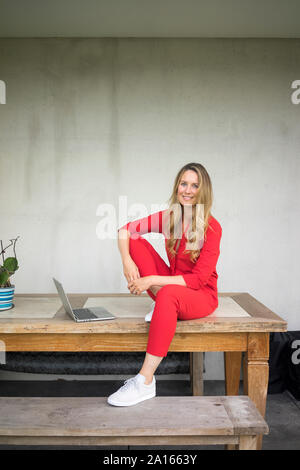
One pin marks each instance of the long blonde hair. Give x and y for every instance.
(200, 213)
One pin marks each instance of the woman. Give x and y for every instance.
(185, 290)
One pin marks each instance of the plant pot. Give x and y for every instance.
(6, 297)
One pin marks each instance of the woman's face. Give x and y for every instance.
(188, 187)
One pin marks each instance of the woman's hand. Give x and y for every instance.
(139, 285)
(130, 270)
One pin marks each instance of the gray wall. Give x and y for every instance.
(89, 120)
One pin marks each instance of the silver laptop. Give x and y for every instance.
(82, 314)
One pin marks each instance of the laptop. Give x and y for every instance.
(82, 314)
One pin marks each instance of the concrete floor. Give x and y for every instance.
(282, 415)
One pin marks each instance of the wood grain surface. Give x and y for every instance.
(93, 416)
(261, 319)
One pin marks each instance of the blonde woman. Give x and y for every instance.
(185, 290)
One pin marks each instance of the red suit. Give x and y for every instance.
(197, 299)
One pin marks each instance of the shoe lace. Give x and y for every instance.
(130, 383)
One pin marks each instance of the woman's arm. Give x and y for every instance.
(165, 280)
(138, 286)
(123, 244)
(130, 269)
(151, 223)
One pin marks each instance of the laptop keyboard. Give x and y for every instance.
(84, 313)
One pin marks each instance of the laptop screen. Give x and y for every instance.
(64, 298)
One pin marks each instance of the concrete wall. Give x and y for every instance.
(89, 120)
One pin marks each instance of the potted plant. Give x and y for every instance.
(7, 269)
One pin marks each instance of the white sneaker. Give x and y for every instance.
(148, 317)
(133, 391)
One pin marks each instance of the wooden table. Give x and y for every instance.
(231, 335)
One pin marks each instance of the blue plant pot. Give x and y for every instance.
(6, 297)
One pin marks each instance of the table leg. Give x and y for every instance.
(232, 366)
(196, 373)
(245, 373)
(258, 372)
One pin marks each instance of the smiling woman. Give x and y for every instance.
(184, 290)
(188, 187)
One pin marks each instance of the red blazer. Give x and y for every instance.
(201, 274)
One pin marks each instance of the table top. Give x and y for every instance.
(43, 313)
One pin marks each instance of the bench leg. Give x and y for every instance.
(258, 372)
(196, 373)
(232, 370)
(247, 443)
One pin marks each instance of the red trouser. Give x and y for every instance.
(172, 301)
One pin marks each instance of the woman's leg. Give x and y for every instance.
(148, 261)
(149, 366)
(175, 302)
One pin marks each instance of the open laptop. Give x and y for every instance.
(82, 314)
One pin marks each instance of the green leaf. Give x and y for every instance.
(11, 264)
(4, 276)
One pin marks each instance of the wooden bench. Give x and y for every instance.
(192, 420)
